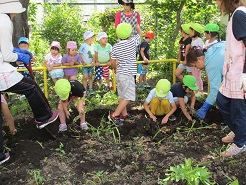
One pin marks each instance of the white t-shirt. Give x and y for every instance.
(54, 60)
(152, 95)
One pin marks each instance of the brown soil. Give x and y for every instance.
(141, 157)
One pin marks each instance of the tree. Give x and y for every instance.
(20, 22)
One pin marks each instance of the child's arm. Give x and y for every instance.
(143, 55)
(45, 62)
(151, 115)
(64, 107)
(109, 63)
(82, 61)
(165, 119)
(179, 56)
(81, 104)
(183, 108)
(113, 63)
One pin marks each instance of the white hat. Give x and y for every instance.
(11, 6)
(102, 35)
(88, 34)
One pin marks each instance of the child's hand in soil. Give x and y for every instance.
(13, 131)
(153, 118)
(67, 114)
(164, 120)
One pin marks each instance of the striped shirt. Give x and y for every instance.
(125, 52)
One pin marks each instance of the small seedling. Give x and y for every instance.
(61, 151)
(38, 178)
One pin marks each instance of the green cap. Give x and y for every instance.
(190, 82)
(63, 88)
(162, 88)
(186, 28)
(211, 28)
(124, 30)
(197, 27)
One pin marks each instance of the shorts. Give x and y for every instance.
(87, 70)
(142, 69)
(99, 72)
(57, 75)
(105, 72)
(182, 66)
(126, 87)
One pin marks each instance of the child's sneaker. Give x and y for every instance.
(115, 119)
(127, 117)
(229, 138)
(43, 124)
(147, 85)
(91, 91)
(107, 88)
(6, 158)
(84, 126)
(172, 118)
(62, 127)
(233, 150)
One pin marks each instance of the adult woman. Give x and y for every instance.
(128, 15)
(11, 80)
(231, 97)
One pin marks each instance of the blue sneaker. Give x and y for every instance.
(91, 91)
(115, 119)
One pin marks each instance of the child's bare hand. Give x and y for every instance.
(146, 60)
(72, 63)
(67, 114)
(108, 63)
(13, 131)
(84, 64)
(164, 120)
(153, 118)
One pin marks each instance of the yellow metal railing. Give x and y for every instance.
(44, 69)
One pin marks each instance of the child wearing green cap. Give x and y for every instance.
(67, 92)
(184, 46)
(180, 91)
(211, 31)
(125, 53)
(195, 32)
(160, 102)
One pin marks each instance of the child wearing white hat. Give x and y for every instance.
(103, 52)
(87, 52)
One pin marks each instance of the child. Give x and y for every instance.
(184, 46)
(160, 102)
(211, 31)
(212, 61)
(23, 43)
(145, 56)
(231, 97)
(68, 91)
(195, 32)
(8, 117)
(86, 52)
(125, 53)
(180, 90)
(103, 52)
(53, 59)
(70, 59)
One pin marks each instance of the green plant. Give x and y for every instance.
(60, 150)
(193, 175)
(98, 175)
(37, 177)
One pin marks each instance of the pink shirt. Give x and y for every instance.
(233, 65)
(117, 18)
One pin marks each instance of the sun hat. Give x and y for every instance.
(186, 28)
(88, 34)
(124, 30)
(197, 27)
(150, 34)
(56, 44)
(63, 88)
(211, 28)
(162, 88)
(23, 39)
(13, 6)
(102, 35)
(190, 82)
(71, 45)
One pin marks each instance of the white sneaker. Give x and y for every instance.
(62, 127)
(84, 126)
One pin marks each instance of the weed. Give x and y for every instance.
(150, 169)
(192, 175)
(99, 177)
(37, 177)
(60, 150)
(135, 166)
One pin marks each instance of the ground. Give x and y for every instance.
(139, 155)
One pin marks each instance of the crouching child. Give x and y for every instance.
(160, 102)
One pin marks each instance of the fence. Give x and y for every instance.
(44, 69)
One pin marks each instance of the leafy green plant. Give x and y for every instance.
(193, 175)
(99, 177)
(37, 177)
(60, 150)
